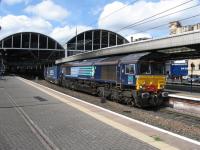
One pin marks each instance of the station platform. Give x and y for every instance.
(35, 117)
(193, 96)
(188, 102)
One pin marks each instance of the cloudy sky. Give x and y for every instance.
(60, 18)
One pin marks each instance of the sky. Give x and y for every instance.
(60, 19)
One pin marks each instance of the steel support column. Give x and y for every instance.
(2, 43)
(66, 50)
(12, 41)
(21, 40)
(76, 42)
(84, 42)
(29, 40)
(100, 39)
(92, 40)
(55, 45)
(38, 46)
(47, 46)
(108, 39)
(124, 41)
(116, 39)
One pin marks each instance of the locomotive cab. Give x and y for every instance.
(150, 83)
(143, 74)
(151, 76)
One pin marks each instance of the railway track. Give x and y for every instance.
(183, 87)
(189, 119)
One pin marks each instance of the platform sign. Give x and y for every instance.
(179, 70)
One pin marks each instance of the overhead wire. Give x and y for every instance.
(162, 16)
(166, 15)
(142, 21)
(142, 31)
(132, 24)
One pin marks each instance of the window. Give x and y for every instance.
(130, 69)
(157, 68)
(145, 68)
(192, 66)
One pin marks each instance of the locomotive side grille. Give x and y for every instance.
(108, 73)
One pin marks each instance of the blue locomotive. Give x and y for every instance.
(136, 79)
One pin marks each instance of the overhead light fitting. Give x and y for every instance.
(177, 50)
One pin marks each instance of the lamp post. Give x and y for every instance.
(1, 65)
(192, 69)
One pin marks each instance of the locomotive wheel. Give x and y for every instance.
(100, 91)
(132, 103)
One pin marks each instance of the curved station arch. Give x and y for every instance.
(29, 52)
(92, 40)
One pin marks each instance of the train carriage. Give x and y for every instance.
(52, 74)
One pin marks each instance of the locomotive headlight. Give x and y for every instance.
(162, 86)
(142, 87)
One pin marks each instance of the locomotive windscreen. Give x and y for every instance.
(153, 68)
(157, 68)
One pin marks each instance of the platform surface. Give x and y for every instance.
(35, 117)
(193, 96)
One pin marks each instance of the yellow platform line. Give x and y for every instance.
(130, 131)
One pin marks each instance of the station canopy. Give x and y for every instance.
(29, 50)
(92, 40)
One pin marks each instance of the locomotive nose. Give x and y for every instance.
(150, 83)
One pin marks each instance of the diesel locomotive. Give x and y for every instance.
(134, 79)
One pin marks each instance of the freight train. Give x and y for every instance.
(135, 79)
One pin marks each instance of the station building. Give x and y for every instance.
(29, 52)
(177, 28)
